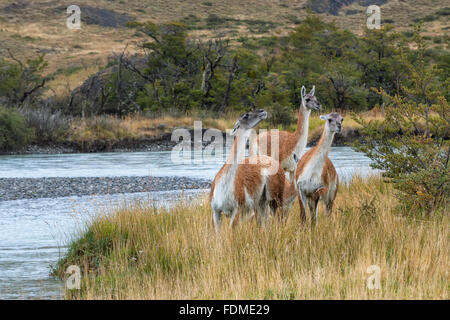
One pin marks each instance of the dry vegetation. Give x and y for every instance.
(35, 27)
(140, 252)
(113, 129)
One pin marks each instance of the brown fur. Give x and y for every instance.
(289, 190)
(287, 140)
(288, 194)
(249, 178)
(276, 184)
(304, 161)
(328, 176)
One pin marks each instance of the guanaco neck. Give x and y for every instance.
(323, 146)
(237, 152)
(301, 132)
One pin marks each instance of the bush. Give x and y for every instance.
(279, 114)
(49, 126)
(443, 11)
(430, 187)
(214, 21)
(411, 145)
(21, 82)
(14, 133)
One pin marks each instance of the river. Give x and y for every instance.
(34, 232)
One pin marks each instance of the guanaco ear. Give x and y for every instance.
(303, 92)
(236, 127)
(313, 90)
(323, 117)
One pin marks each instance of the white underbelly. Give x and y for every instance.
(223, 198)
(310, 180)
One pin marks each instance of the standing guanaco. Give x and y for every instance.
(315, 176)
(288, 143)
(242, 184)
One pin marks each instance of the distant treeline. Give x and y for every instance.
(177, 74)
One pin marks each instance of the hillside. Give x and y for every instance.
(28, 28)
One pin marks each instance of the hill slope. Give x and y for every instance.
(31, 27)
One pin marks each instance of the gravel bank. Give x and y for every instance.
(28, 188)
(160, 145)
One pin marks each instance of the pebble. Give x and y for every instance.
(32, 188)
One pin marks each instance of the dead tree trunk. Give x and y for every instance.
(234, 67)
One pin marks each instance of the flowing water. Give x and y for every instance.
(34, 232)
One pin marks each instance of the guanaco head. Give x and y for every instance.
(249, 120)
(333, 121)
(309, 100)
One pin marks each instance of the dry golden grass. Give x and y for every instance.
(63, 84)
(140, 252)
(110, 128)
(136, 127)
(40, 25)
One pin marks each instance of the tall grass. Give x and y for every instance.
(139, 252)
(111, 128)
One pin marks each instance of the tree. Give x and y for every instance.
(342, 83)
(412, 144)
(14, 132)
(21, 82)
(380, 61)
(173, 67)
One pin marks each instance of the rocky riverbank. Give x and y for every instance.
(29, 188)
(99, 146)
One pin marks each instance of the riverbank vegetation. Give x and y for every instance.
(142, 252)
(178, 76)
(411, 144)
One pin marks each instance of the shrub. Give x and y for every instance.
(443, 11)
(279, 114)
(49, 126)
(21, 82)
(214, 20)
(14, 133)
(412, 144)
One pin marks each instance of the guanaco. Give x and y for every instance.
(242, 183)
(315, 176)
(288, 143)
